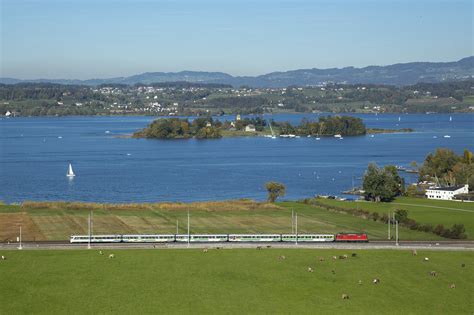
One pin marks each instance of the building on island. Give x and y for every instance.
(446, 193)
(250, 128)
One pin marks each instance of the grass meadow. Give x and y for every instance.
(422, 210)
(235, 281)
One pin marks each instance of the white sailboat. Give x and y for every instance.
(450, 118)
(70, 172)
(271, 129)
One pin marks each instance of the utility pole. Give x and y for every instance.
(177, 227)
(20, 246)
(90, 231)
(188, 230)
(292, 221)
(92, 222)
(389, 225)
(396, 233)
(296, 227)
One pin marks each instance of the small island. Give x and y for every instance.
(209, 128)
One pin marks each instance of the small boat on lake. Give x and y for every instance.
(70, 172)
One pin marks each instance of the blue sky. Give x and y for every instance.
(107, 38)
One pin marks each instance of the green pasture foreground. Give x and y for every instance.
(422, 210)
(235, 281)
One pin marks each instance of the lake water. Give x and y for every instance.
(35, 152)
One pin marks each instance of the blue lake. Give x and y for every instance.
(35, 152)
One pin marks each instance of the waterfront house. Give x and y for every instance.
(446, 193)
(250, 128)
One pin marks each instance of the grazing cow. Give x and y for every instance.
(426, 259)
(334, 257)
(413, 252)
(452, 286)
(310, 269)
(345, 297)
(376, 281)
(259, 247)
(433, 273)
(343, 257)
(282, 257)
(354, 255)
(269, 246)
(205, 250)
(321, 258)
(100, 252)
(360, 282)
(111, 256)
(4, 258)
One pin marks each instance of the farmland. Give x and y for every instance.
(58, 220)
(422, 210)
(235, 281)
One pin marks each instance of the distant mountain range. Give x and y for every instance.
(398, 74)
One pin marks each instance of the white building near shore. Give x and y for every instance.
(446, 193)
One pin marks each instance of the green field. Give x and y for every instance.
(235, 281)
(422, 210)
(57, 221)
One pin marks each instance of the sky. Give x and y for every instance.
(85, 39)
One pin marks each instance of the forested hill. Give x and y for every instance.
(401, 74)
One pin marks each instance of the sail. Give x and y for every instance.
(70, 172)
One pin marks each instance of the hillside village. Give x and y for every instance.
(181, 98)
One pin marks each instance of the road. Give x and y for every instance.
(405, 245)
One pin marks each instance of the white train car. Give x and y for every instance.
(202, 238)
(254, 237)
(307, 238)
(164, 238)
(96, 238)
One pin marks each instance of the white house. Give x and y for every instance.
(250, 128)
(446, 193)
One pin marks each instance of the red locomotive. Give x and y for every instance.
(351, 237)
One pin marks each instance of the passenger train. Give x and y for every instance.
(219, 238)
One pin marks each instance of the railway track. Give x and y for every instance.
(433, 245)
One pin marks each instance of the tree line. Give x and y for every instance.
(176, 128)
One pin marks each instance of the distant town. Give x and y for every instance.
(185, 98)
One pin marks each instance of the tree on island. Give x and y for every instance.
(382, 184)
(175, 128)
(275, 190)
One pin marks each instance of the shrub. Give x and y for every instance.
(401, 215)
(439, 230)
(411, 224)
(457, 231)
(425, 228)
(374, 216)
